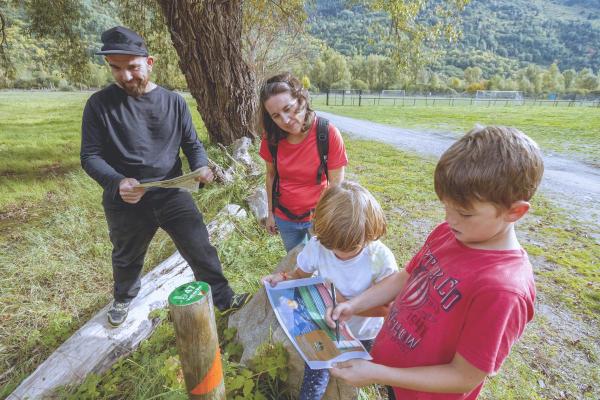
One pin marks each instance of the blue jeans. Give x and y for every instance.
(315, 381)
(292, 233)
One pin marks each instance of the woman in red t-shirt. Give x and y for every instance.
(290, 126)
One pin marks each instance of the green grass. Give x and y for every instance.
(39, 142)
(55, 268)
(573, 131)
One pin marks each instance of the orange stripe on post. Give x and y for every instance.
(213, 377)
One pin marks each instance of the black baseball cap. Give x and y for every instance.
(121, 40)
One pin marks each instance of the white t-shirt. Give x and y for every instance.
(351, 277)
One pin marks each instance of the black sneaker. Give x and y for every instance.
(237, 301)
(117, 313)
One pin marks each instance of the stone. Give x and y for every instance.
(258, 204)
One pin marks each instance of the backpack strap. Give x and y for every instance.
(323, 147)
(275, 187)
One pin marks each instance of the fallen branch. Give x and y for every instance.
(221, 175)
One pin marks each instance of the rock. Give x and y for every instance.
(258, 204)
(256, 323)
(241, 155)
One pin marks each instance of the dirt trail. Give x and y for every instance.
(569, 184)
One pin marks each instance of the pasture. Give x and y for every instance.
(573, 131)
(55, 252)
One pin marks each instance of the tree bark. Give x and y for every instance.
(207, 36)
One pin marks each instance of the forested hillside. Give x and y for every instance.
(539, 47)
(527, 31)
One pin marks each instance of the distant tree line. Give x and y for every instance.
(332, 70)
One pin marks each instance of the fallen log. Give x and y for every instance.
(96, 346)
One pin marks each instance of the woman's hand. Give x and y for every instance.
(270, 224)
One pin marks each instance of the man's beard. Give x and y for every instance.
(135, 87)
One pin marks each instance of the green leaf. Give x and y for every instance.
(248, 386)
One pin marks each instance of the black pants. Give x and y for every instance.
(132, 227)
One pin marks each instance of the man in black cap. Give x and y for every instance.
(132, 131)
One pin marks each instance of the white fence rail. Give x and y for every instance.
(364, 98)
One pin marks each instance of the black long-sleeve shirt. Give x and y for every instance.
(137, 137)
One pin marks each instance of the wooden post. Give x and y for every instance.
(193, 318)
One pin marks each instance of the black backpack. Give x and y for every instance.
(323, 148)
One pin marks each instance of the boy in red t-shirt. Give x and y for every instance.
(466, 296)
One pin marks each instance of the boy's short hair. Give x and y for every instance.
(490, 164)
(348, 217)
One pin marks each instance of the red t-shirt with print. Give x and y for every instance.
(457, 299)
(297, 165)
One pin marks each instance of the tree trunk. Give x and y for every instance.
(207, 36)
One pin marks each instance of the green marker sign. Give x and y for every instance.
(188, 293)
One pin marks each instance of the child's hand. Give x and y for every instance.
(356, 372)
(342, 312)
(274, 279)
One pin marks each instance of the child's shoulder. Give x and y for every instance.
(381, 258)
(313, 248)
(377, 247)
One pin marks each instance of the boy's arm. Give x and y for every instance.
(380, 294)
(495, 320)
(458, 376)
(377, 311)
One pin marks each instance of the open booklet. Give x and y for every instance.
(187, 182)
(300, 306)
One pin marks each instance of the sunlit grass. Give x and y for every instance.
(568, 130)
(55, 260)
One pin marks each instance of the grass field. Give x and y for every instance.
(573, 131)
(55, 261)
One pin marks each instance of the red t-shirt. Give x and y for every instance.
(297, 165)
(457, 299)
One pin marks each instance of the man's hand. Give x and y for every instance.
(342, 312)
(356, 372)
(205, 175)
(129, 191)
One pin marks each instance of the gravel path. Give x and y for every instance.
(568, 183)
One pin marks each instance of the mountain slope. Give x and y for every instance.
(530, 31)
